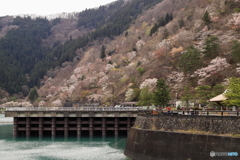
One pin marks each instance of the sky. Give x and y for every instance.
(46, 7)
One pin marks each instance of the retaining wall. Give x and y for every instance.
(212, 124)
(163, 145)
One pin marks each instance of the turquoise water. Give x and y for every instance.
(84, 148)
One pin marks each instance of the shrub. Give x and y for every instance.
(141, 70)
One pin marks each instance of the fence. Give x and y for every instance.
(194, 112)
(71, 109)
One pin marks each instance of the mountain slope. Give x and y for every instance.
(117, 59)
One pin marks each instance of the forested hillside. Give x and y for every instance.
(119, 52)
(25, 60)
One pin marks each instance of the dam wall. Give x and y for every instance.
(169, 137)
(164, 145)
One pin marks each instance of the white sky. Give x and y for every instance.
(46, 7)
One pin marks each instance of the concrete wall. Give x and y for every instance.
(145, 144)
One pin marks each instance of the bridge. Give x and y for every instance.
(72, 121)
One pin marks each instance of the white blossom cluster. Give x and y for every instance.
(215, 65)
(129, 94)
(41, 103)
(57, 103)
(151, 83)
(16, 104)
(140, 44)
(235, 19)
(108, 67)
(103, 81)
(166, 43)
(95, 97)
(131, 55)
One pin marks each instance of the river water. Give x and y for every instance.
(84, 148)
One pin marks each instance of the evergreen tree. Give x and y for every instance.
(162, 22)
(190, 60)
(167, 18)
(235, 51)
(33, 95)
(165, 33)
(161, 94)
(154, 29)
(218, 89)
(233, 92)
(204, 93)
(181, 23)
(103, 54)
(211, 47)
(206, 18)
(187, 95)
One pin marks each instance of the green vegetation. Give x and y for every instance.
(161, 95)
(23, 59)
(235, 50)
(233, 91)
(211, 47)
(33, 95)
(141, 70)
(20, 50)
(187, 95)
(103, 54)
(145, 97)
(236, 10)
(162, 22)
(206, 18)
(190, 60)
(204, 93)
(115, 19)
(181, 23)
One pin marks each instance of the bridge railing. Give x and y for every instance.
(194, 112)
(72, 109)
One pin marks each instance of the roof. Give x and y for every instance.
(218, 98)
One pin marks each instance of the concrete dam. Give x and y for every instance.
(89, 121)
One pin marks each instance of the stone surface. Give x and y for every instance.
(211, 124)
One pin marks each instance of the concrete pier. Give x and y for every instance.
(72, 121)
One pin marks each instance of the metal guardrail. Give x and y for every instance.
(72, 109)
(195, 112)
(136, 109)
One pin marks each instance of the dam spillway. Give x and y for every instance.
(87, 121)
